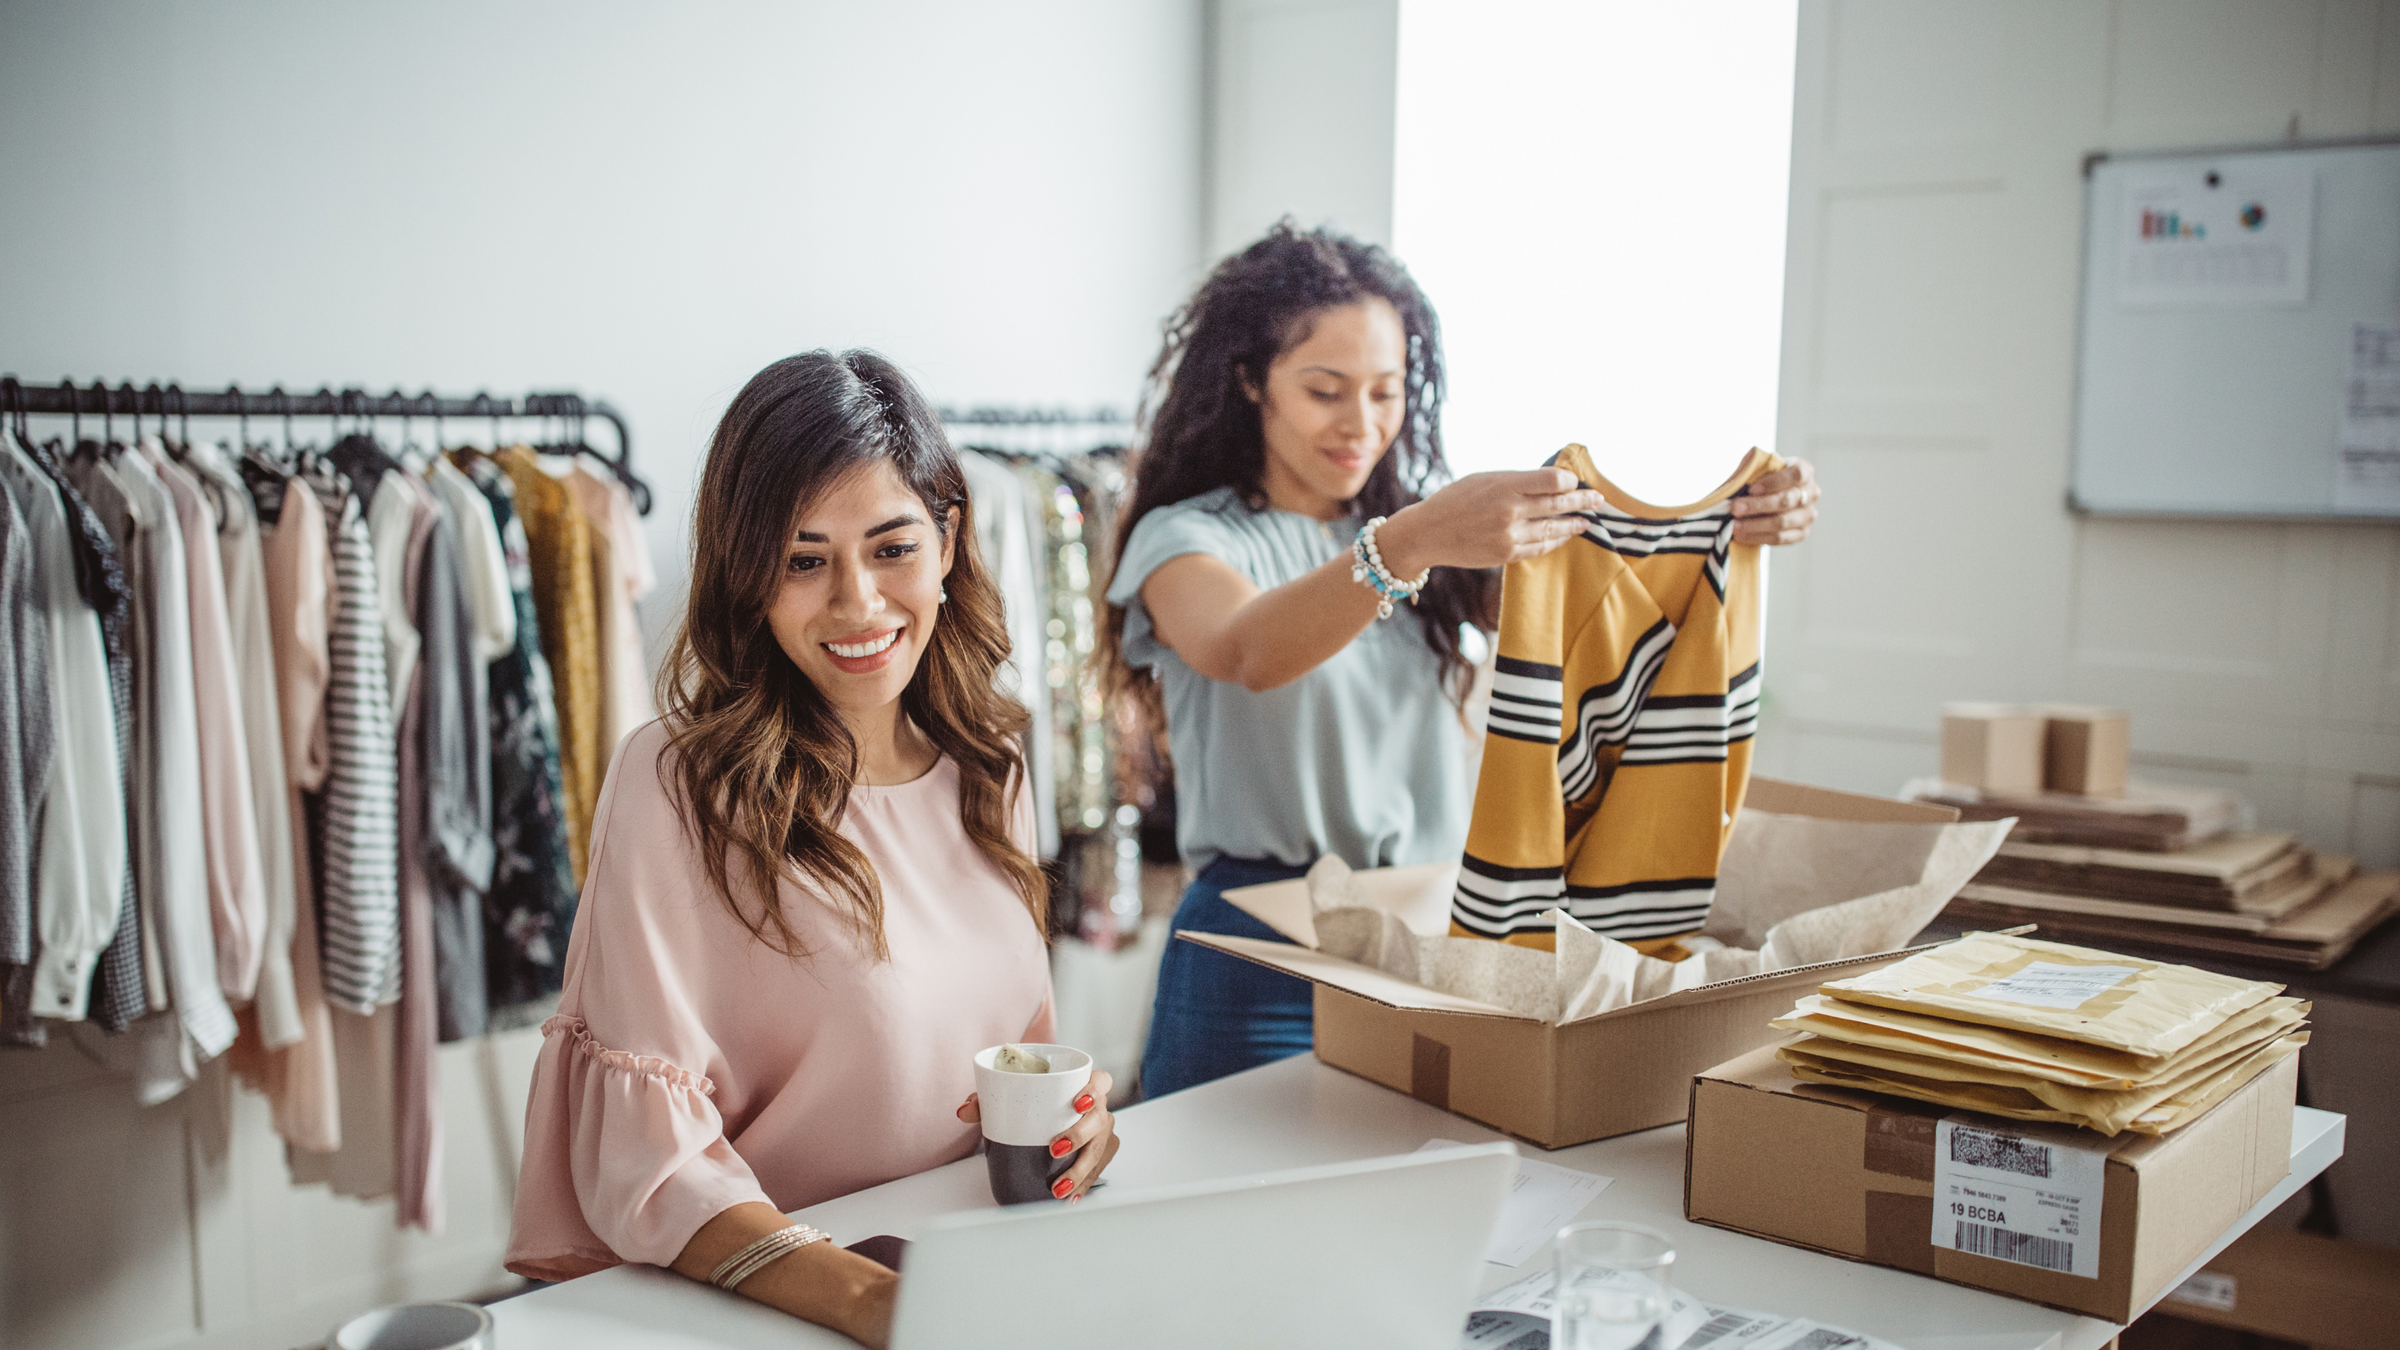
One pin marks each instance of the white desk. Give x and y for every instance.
(1300, 1112)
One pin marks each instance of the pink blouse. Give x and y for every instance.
(691, 1068)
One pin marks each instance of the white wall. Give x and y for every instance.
(1593, 195)
(1300, 117)
(1928, 368)
(641, 202)
(645, 203)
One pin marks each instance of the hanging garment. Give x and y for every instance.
(355, 818)
(568, 609)
(119, 992)
(367, 1076)
(483, 561)
(1078, 713)
(1007, 551)
(453, 736)
(417, 1126)
(25, 763)
(298, 1078)
(621, 576)
(1623, 708)
(78, 859)
(390, 518)
(236, 889)
(530, 908)
(169, 833)
(251, 630)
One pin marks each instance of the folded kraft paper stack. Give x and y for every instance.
(2250, 895)
(2033, 1030)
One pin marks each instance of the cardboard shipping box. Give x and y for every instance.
(1550, 1084)
(1854, 1174)
(1994, 747)
(2086, 751)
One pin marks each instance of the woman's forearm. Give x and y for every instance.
(1226, 628)
(819, 1282)
(1229, 630)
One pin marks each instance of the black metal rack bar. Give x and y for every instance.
(98, 399)
(1031, 417)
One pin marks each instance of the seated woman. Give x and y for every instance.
(812, 896)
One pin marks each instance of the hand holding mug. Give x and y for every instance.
(1045, 1135)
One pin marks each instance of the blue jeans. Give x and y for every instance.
(1218, 1014)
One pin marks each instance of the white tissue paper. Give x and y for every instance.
(1792, 891)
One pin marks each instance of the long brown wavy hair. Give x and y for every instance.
(1204, 432)
(763, 765)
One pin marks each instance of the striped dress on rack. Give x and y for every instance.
(356, 817)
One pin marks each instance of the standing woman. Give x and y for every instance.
(1298, 406)
(812, 895)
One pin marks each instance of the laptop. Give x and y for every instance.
(1385, 1252)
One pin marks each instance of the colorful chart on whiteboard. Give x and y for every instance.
(2216, 237)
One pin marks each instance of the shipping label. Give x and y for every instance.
(2028, 1194)
(2046, 984)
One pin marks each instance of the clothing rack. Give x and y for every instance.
(69, 399)
(1038, 431)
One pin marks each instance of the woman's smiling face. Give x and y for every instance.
(861, 590)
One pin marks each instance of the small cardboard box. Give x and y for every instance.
(1852, 1173)
(1552, 1085)
(1995, 747)
(2085, 751)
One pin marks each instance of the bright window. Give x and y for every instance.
(1593, 194)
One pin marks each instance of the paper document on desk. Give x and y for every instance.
(1517, 1317)
(1542, 1199)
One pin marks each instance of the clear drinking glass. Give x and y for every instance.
(1612, 1287)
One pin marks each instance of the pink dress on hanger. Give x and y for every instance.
(691, 1068)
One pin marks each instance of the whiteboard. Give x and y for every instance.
(2239, 348)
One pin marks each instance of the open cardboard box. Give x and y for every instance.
(1550, 1084)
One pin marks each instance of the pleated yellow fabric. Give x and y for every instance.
(559, 538)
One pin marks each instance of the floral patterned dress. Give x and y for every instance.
(531, 906)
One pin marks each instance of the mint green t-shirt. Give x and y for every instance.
(1364, 757)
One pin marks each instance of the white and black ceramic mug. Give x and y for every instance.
(1022, 1113)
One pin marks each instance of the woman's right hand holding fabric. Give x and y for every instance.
(1486, 520)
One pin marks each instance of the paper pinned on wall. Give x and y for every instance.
(2207, 237)
(2366, 475)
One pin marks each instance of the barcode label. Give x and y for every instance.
(2009, 1245)
(1717, 1328)
(1826, 1338)
(2026, 1194)
(2000, 1152)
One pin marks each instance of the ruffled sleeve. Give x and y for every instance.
(625, 1152)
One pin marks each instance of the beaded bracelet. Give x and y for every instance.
(758, 1255)
(1367, 569)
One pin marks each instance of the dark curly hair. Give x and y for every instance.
(1204, 432)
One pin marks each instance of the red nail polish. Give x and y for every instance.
(1059, 1147)
(1083, 1103)
(1065, 1184)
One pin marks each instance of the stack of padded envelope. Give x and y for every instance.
(2034, 1030)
